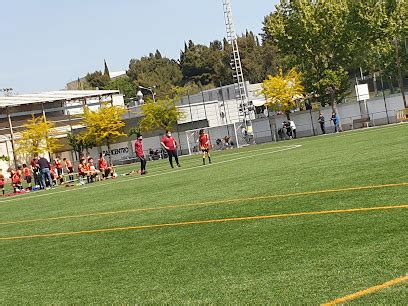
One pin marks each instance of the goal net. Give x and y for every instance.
(222, 137)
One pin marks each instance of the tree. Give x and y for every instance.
(155, 71)
(313, 37)
(103, 125)
(79, 142)
(160, 115)
(38, 137)
(97, 80)
(124, 85)
(283, 92)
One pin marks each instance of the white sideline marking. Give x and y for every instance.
(286, 148)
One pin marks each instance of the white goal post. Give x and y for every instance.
(222, 137)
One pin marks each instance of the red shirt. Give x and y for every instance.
(169, 142)
(82, 168)
(26, 171)
(102, 164)
(139, 148)
(68, 163)
(16, 179)
(58, 164)
(33, 163)
(204, 141)
(1, 180)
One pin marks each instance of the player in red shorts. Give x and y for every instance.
(2, 180)
(205, 146)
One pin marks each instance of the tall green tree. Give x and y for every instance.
(124, 85)
(155, 71)
(97, 80)
(312, 36)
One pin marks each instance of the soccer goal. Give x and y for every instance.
(222, 137)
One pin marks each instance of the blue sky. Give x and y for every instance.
(46, 43)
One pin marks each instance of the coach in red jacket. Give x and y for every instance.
(170, 144)
(140, 154)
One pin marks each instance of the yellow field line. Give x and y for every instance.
(199, 222)
(276, 196)
(367, 291)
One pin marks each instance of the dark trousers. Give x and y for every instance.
(142, 164)
(323, 128)
(173, 153)
(294, 133)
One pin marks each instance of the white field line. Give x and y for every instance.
(44, 193)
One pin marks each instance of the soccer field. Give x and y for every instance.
(298, 222)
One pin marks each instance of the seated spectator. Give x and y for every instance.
(83, 171)
(92, 172)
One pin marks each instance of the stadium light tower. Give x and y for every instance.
(236, 65)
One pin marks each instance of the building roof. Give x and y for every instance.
(53, 96)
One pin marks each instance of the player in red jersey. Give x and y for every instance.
(27, 175)
(69, 168)
(58, 167)
(104, 167)
(16, 180)
(2, 181)
(140, 154)
(83, 171)
(205, 145)
(169, 143)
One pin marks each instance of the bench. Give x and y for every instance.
(402, 115)
(362, 121)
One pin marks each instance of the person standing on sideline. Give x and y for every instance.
(36, 171)
(322, 123)
(140, 154)
(170, 144)
(58, 167)
(204, 140)
(45, 167)
(293, 128)
(336, 121)
(27, 176)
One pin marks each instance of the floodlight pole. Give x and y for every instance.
(236, 65)
(151, 90)
(13, 147)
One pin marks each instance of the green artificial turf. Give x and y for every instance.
(308, 259)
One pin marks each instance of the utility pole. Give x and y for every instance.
(400, 78)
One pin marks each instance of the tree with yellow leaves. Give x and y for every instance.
(103, 125)
(38, 137)
(160, 115)
(283, 92)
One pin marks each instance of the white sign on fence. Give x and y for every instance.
(362, 92)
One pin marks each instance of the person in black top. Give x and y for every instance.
(322, 123)
(45, 167)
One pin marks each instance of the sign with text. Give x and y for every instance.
(362, 92)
